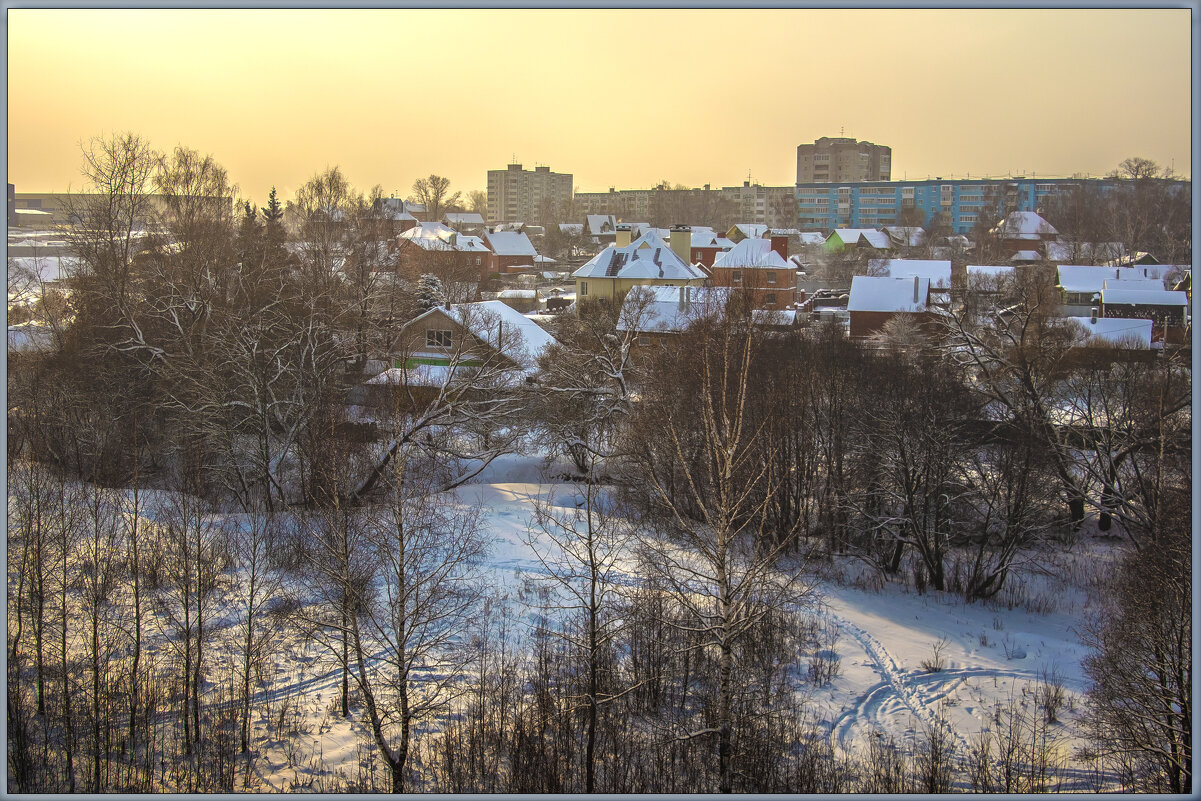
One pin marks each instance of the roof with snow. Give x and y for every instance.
(1026, 255)
(752, 230)
(45, 268)
(1113, 331)
(648, 256)
(909, 235)
(752, 253)
(938, 271)
(1024, 225)
(870, 236)
(1080, 278)
(29, 337)
(510, 243)
(600, 224)
(483, 319)
(812, 238)
(463, 218)
(1136, 283)
(990, 271)
(518, 293)
(671, 309)
(574, 229)
(1143, 297)
(886, 294)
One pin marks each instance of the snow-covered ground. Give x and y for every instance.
(993, 655)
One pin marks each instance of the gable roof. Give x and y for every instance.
(464, 218)
(1143, 297)
(671, 309)
(484, 318)
(1113, 331)
(648, 256)
(884, 294)
(575, 229)
(909, 235)
(937, 271)
(1024, 225)
(600, 224)
(851, 236)
(436, 236)
(510, 243)
(752, 253)
(751, 230)
(1080, 278)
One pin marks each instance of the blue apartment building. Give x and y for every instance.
(872, 204)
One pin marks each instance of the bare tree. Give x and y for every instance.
(434, 192)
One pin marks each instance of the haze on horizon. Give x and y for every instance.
(621, 98)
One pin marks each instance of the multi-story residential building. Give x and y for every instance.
(874, 204)
(835, 159)
(529, 196)
(773, 206)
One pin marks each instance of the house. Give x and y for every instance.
(602, 228)
(523, 300)
(1024, 231)
(510, 250)
(1166, 309)
(705, 245)
(905, 236)
(759, 268)
(450, 342)
(657, 313)
(741, 231)
(438, 249)
(936, 271)
(400, 212)
(466, 222)
(875, 300)
(843, 239)
(647, 261)
(1112, 332)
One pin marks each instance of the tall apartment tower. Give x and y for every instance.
(517, 195)
(835, 159)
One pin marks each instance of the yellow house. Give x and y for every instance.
(647, 261)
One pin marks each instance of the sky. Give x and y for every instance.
(621, 98)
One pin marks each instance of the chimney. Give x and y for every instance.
(779, 244)
(917, 284)
(681, 242)
(623, 234)
(448, 305)
(1093, 316)
(683, 298)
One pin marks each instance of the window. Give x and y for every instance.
(736, 276)
(437, 338)
(478, 261)
(643, 341)
(583, 288)
(771, 276)
(769, 299)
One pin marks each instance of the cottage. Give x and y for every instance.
(657, 313)
(1166, 309)
(875, 300)
(936, 271)
(758, 268)
(647, 261)
(869, 239)
(1025, 232)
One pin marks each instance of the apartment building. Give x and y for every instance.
(822, 206)
(841, 158)
(528, 196)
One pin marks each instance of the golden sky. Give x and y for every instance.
(619, 98)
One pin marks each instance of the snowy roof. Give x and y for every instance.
(470, 244)
(812, 238)
(429, 234)
(648, 256)
(784, 232)
(517, 293)
(1144, 297)
(773, 317)
(1079, 278)
(1160, 271)
(704, 238)
(419, 375)
(482, 318)
(600, 224)
(464, 218)
(1114, 331)
(1136, 283)
(886, 294)
(990, 271)
(540, 259)
(752, 230)
(45, 268)
(1024, 225)
(752, 253)
(910, 235)
(671, 309)
(1026, 255)
(510, 243)
(938, 271)
(851, 236)
(575, 229)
